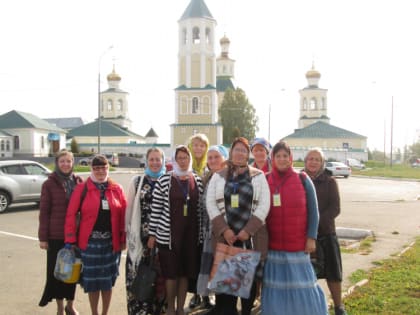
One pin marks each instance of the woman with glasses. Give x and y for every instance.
(101, 232)
(174, 227)
(238, 200)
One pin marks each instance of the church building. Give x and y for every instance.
(315, 130)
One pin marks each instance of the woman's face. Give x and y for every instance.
(259, 153)
(214, 161)
(282, 160)
(313, 163)
(154, 161)
(183, 160)
(198, 148)
(100, 172)
(239, 154)
(65, 164)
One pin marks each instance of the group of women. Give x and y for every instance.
(210, 196)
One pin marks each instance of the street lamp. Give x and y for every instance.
(99, 97)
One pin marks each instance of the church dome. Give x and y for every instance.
(224, 40)
(313, 73)
(113, 76)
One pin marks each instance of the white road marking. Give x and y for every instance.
(19, 235)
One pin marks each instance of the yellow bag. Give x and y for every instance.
(76, 271)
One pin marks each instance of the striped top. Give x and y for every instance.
(160, 220)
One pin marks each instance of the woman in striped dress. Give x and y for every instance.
(174, 227)
(289, 284)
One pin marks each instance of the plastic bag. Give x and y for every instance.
(67, 266)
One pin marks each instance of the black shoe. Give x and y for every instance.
(339, 310)
(195, 301)
(206, 303)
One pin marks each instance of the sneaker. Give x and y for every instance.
(195, 301)
(339, 310)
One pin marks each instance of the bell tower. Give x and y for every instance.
(196, 109)
(313, 101)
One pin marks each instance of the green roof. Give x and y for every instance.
(20, 120)
(108, 129)
(151, 133)
(224, 83)
(184, 87)
(323, 130)
(196, 9)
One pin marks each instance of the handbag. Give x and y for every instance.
(144, 283)
(233, 270)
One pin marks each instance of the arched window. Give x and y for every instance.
(208, 36)
(196, 35)
(184, 37)
(312, 104)
(120, 105)
(305, 104)
(109, 105)
(195, 105)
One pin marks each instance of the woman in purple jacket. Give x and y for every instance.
(55, 195)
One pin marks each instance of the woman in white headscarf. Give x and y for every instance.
(138, 212)
(175, 227)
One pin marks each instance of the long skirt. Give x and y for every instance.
(290, 286)
(100, 265)
(55, 289)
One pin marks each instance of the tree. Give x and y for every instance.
(237, 116)
(74, 146)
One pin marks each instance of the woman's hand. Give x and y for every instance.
(123, 246)
(243, 236)
(43, 245)
(151, 242)
(310, 245)
(229, 236)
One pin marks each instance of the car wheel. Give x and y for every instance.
(4, 201)
(346, 176)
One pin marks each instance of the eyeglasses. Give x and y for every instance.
(239, 150)
(100, 168)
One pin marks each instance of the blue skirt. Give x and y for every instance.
(290, 286)
(100, 265)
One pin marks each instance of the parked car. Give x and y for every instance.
(355, 164)
(112, 158)
(416, 163)
(21, 181)
(338, 169)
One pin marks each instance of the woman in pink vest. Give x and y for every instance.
(289, 283)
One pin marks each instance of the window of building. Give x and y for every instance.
(109, 105)
(2, 145)
(7, 145)
(208, 36)
(312, 104)
(195, 105)
(184, 37)
(42, 142)
(16, 143)
(120, 105)
(196, 35)
(305, 104)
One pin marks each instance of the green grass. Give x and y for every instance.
(78, 168)
(397, 171)
(393, 287)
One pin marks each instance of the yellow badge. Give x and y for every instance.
(185, 210)
(234, 201)
(276, 200)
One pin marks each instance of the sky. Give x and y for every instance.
(367, 52)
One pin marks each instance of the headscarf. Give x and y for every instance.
(199, 166)
(221, 149)
(176, 170)
(99, 160)
(66, 178)
(236, 169)
(162, 170)
(322, 168)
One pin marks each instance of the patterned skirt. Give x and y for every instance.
(100, 265)
(290, 286)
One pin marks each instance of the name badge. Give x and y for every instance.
(105, 204)
(276, 200)
(185, 210)
(234, 201)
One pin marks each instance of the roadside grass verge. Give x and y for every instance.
(393, 287)
(397, 171)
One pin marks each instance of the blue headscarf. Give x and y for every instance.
(221, 149)
(159, 173)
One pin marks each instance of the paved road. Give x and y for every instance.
(388, 207)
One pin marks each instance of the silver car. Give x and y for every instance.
(21, 181)
(338, 169)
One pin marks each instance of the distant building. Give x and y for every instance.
(196, 104)
(315, 129)
(225, 70)
(26, 135)
(66, 123)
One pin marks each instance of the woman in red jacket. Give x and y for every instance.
(55, 195)
(101, 232)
